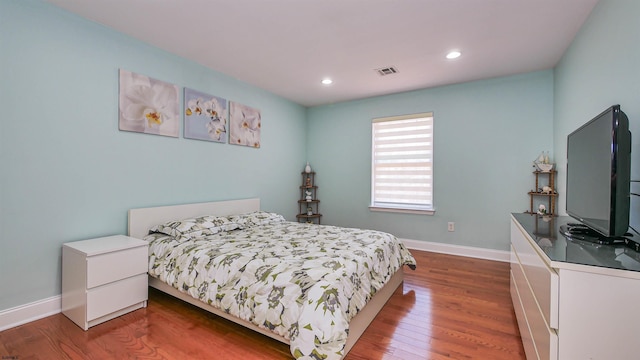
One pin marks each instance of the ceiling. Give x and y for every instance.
(288, 46)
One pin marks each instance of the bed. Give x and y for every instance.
(335, 297)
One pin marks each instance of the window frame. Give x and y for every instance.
(428, 209)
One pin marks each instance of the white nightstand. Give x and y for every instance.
(103, 278)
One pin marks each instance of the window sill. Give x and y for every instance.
(403, 210)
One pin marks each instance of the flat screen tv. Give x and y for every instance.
(598, 173)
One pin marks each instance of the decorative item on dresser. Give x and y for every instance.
(103, 278)
(547, 191)
(308, 205)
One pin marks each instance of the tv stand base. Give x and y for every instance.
(581, 232)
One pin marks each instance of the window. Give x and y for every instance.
(402, 163)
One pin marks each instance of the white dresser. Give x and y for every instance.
(103, 278)
(573, 300)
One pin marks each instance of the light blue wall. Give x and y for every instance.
(486, 135)
(600, 69)
(68, 173)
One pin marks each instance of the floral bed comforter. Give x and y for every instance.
(302, 281)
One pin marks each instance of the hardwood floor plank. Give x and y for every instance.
(450, 307)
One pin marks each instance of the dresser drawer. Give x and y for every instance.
(105, 268)
(523, 325)
(114, 296)
(543, 339)
(541, 278)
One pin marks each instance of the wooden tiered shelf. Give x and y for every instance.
(309, 205)
(538, 192)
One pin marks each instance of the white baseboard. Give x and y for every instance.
(468, 251)
(30, 312)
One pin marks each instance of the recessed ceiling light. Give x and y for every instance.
(453, 55)
(327, 81)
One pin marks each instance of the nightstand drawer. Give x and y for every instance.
(112, 297)
(105, 268)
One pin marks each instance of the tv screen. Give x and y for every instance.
(598, 173)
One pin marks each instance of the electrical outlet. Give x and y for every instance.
(451, 226)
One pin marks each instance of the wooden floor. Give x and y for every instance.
(449, 308)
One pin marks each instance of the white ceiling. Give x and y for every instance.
(288, 46)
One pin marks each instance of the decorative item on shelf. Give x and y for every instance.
(546, 190)
(542, 210)
(307, 168)
(308, 197)
(308, 182)
(309, 211)
(545, 167)
(542, 163)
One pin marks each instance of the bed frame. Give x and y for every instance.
(142, 219)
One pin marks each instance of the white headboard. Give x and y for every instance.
(142, 219)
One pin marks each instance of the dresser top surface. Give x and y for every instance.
(545, 233)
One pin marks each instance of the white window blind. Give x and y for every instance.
(402, 162)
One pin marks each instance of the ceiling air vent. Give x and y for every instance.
(387, 71)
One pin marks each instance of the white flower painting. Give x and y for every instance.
(244, 125)
(148, 105)
(205, 116)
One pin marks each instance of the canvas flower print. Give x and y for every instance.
(148, 105)
(205, 116)
(244, 125)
